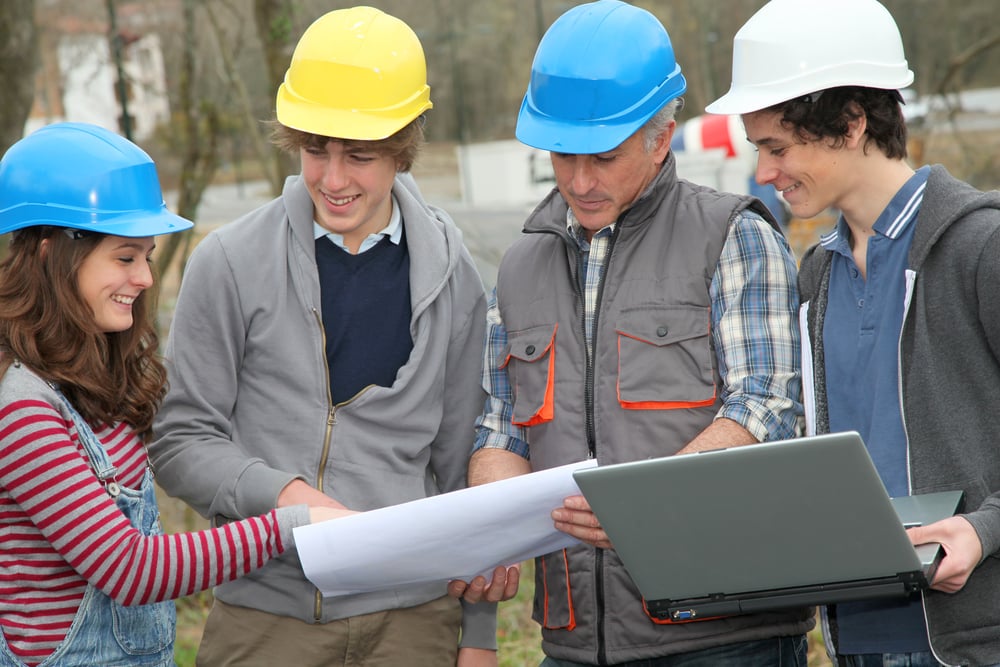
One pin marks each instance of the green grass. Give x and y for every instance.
(191, 613)
(518, 637)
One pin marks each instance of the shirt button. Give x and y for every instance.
(661, 331)
(530, 349)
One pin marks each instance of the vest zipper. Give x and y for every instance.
(588, 387)
(588, 390)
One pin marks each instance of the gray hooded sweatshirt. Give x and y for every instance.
(249, 407)
(949, 361)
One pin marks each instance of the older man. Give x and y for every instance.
(639, 315)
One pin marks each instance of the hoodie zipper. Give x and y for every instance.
(911, 278)
(331, 420)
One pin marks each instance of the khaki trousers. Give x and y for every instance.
(421, 636)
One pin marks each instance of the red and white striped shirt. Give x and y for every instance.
(59, 531)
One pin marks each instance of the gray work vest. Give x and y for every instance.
(652, 387)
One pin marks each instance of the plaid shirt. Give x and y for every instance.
(754, 332)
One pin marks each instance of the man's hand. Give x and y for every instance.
(298, 492)
(501, 586)
(577, 519)
(962, 551)
(476, 657)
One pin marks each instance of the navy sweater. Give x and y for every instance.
(366, 314)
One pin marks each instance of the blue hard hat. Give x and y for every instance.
(600, 72)
(84, 177)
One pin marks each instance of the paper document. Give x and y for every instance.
(455, 535)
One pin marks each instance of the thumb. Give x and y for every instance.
(920, 535)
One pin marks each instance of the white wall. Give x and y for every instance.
(88, 79)
(508, 173)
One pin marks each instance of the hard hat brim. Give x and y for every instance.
(130, 224)
(354, 124)
(559, 137)
(743, 99)
(736, 102)
(575, 138)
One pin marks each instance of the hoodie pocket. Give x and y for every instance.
(530, 360)
(665, 359)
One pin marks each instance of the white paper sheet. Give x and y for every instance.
(455, 535)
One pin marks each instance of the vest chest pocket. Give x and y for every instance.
(665, 359)
(530, 360)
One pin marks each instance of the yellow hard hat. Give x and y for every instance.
(356, 73)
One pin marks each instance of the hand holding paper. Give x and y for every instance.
(456, 535)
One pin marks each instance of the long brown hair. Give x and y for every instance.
(46, 324)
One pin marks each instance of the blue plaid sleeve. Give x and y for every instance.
(755, 330)
(494, 428)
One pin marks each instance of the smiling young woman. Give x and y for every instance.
(87, 577)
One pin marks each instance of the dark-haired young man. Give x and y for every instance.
(900, 320)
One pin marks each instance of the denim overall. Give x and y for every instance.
(105, 633)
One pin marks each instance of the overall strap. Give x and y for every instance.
(99, 458)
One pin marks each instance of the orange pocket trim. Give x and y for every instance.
(665, 405)
(547, 411)
(571, 624)
(659, 405)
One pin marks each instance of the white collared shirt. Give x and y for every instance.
(394, 230)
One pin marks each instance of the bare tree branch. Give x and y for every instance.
(199, 127)
(275, 28)
(265, 154)
(957, 63)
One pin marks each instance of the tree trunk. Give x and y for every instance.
(275, 28)
(200, 132)
(18, 61)
(265, 153)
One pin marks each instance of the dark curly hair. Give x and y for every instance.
(46, 324)
(828, 114)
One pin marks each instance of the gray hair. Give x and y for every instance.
(655, 126)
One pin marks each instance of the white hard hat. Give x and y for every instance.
(791, 48)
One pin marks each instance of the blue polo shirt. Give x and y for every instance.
(861, 349)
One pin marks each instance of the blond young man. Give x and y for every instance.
(326, 350)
